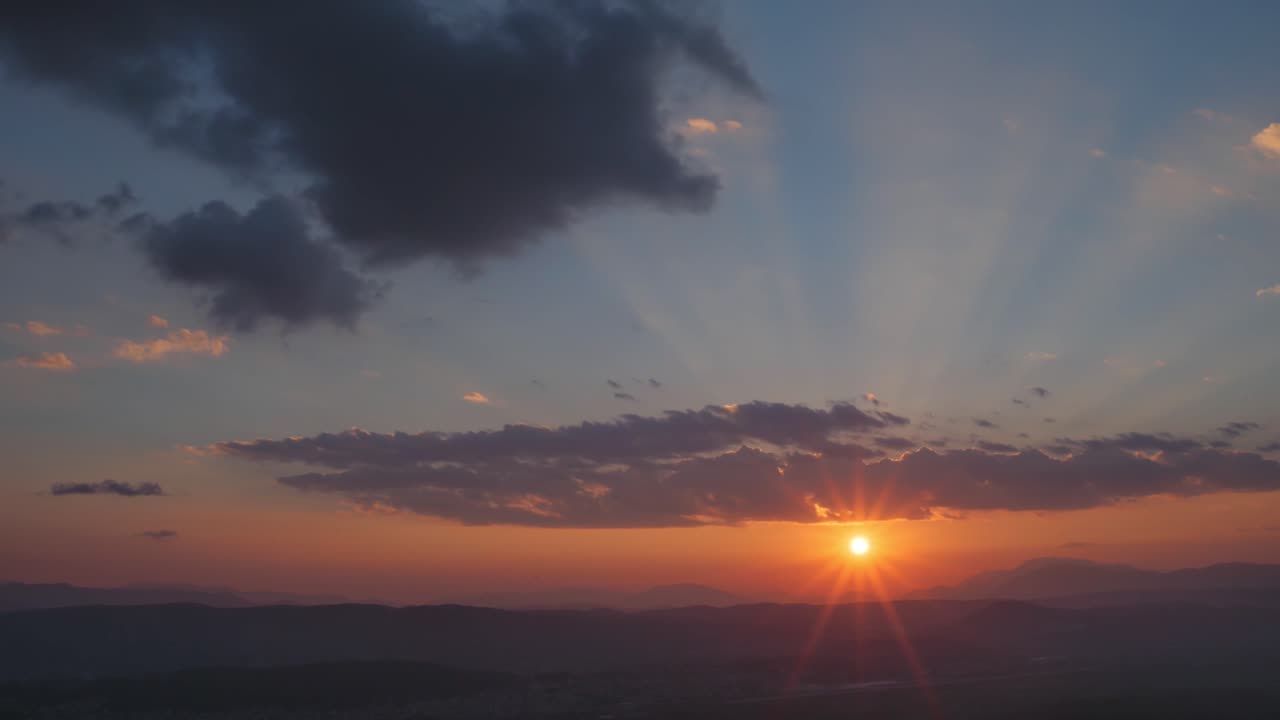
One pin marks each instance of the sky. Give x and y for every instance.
(410, 301)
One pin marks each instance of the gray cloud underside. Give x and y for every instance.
(457, 134)
(752, 462)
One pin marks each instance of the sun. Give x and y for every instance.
(859, 545)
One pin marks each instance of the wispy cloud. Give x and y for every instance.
(1273, 290)
(181, 341)
(477, 398)
(108, 487)
(35, 328)
(44, 361)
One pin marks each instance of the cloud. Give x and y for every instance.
(259, 265)
(624, 396)
(44, 361)
(156, 321)
(108, 487)
(458, 134)
(1270, 447)
(476, 398)
(180, 341)
(1040, 391)
(736, 464)
(1019, 401)
(701, 125)
(35, 328)
(654, 383)
(726, 465)
(1236, 429)
(613, 384)
(1041, 356)
(64, 221)
(896, 443)
(158, 534)
(1097, 153)
(629, 437)
(980, 422)
(1267, 141)
(1273, 290)
(871, 398)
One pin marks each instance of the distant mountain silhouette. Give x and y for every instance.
(24, 596)
(582, 598)
(253, 597)
(1049, 578)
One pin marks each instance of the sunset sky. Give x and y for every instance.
(413, 302)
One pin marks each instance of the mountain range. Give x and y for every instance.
(654, 598)
(31, 596)
(1077, 582)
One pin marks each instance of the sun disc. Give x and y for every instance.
(859, 545)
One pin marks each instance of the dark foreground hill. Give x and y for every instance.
(949, 634)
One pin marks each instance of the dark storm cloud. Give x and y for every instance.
(416, 133)
(107, 487)
(260, 264)
(158, 534)
(64, 220)
(624, 396)
(1236, 429)
(756, 461)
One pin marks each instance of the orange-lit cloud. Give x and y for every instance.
(1267, 141)
(156, 321)
(35, 327)
(1098, 153)
(1273, 290)
(476, 398)
(184, 341)
(45, 361)
(701, 125)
